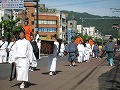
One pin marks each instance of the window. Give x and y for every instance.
(48, 22)
(42, 21)
(45, 22)
(47, 29)
(52, 22)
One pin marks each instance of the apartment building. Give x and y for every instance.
(48, 25)
(79, 29)
(72, 24)
(50, 21)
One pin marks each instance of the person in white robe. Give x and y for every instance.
(62, 48)
(11, 58)
(93, 55)
(86, 54)
(10, 50)
(23, 56)
(39, 46)
(52, 58)
(33, 66)
(89, 48)
(3, 52)
(37, 37)
(81, 52)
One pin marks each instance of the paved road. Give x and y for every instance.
(5, 68)
(95, 75)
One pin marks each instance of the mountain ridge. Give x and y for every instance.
(104, 25)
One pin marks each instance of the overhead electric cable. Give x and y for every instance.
(95, 1)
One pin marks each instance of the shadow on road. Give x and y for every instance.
(27, 84)
(69, 65)
(110, 80)
(46, 73)
(37, 69)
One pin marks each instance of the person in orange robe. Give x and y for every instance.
(78, 39)
(91, 42)
(28, 31)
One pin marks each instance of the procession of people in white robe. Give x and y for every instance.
(84, 52)
(21, 53)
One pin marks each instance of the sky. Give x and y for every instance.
(95, 7)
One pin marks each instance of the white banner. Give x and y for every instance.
(12, 4)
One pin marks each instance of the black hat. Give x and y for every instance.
(2, 37)
(111, 38)
(21, 31)
(55, 36)
(26, 21)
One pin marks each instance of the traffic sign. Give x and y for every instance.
(12, 4)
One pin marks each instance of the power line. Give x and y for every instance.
(95, 1)
(100, 18)
(114, 10)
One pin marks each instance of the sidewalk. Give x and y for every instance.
(84, 76)
(111, 79)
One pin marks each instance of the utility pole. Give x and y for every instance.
(37, 13)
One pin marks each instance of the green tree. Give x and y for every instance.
(86, 37)
(98, 41)
(9, 26)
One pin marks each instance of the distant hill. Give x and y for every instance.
(103, 25)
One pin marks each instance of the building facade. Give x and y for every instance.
(79, 29)
(72, 24)
(50, 21)
(2, 12)
(27, 14)
(91, 31)
(48, 25)
(70, 34)
(63, 25)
